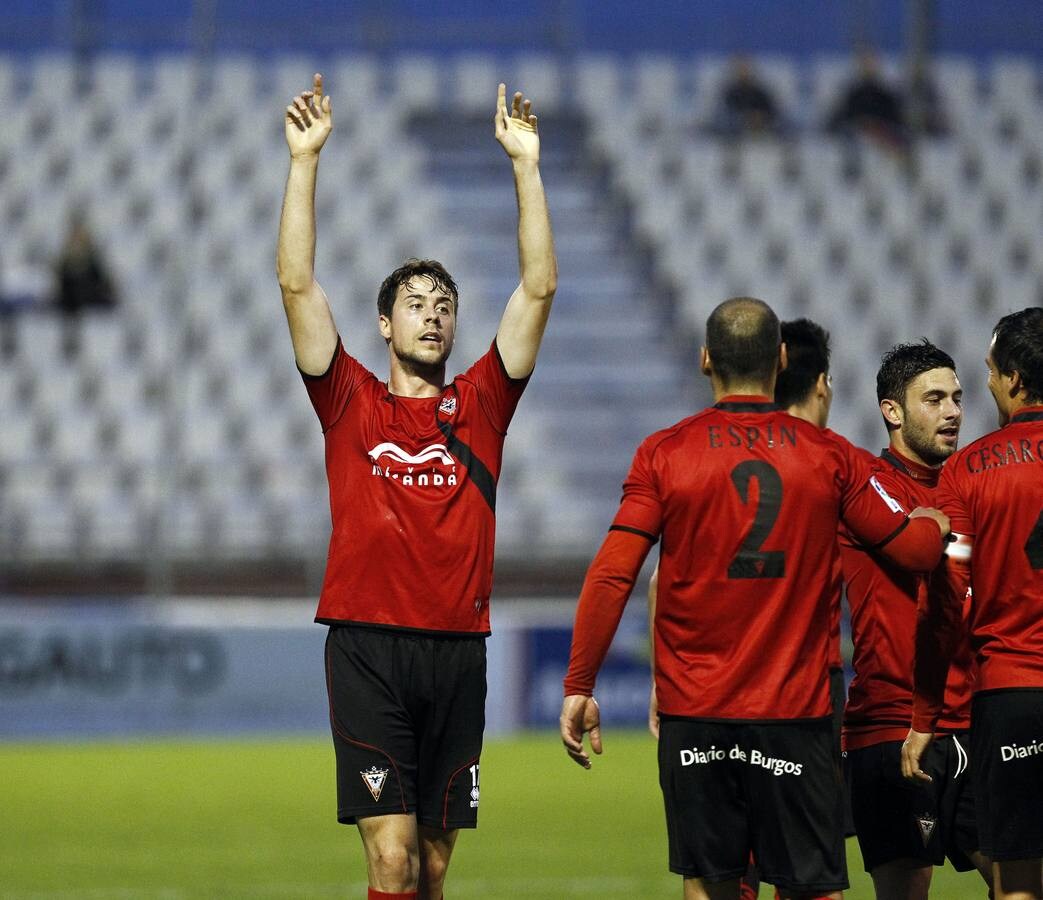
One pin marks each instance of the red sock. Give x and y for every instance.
(374, 894)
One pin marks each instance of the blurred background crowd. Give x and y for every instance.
(874, 165)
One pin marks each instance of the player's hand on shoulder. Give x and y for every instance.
(515, 128)
(309, 120)
(929, 512)
(579, 715)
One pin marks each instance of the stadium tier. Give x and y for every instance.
(175, 425)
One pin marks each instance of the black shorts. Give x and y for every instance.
(838, 697)
(771, 789)
(407, 712)
(895, 819)
(1007, 767)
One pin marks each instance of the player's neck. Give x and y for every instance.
(900, 449)
(410, 381)
(1017, 404)
(739, 389)
(809, 411)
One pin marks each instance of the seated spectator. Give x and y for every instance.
(870, 107)
(745, 106)
(82, 279)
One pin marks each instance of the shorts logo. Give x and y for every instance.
(926, 824)
(447, 406)
(474, 770)
(374, 779)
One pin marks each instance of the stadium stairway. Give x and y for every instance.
(608, 372)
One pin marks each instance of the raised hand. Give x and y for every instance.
(309, 120)
(516, 128)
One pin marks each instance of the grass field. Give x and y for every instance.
(173, 821)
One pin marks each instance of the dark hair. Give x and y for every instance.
(742, 338)
(431, 269)
(904, 362)
(1019, 348)
(807, 355)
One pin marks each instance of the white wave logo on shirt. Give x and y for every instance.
(422, 469)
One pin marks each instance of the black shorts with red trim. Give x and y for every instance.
(407, 711)
(1007, 767)
(895, 819)
(770, 789)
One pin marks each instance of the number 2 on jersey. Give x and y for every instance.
(750, 561)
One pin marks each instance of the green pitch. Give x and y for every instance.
(255, 819)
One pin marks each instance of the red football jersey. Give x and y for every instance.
(412, 495)
(883, 601)
(992, 491)
(836, 590)
(747, 500)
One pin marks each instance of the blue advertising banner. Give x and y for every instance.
(128, 668)
(623, 684)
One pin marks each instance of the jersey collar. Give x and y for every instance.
(917, 471)
(746, 403)
(1028, 414)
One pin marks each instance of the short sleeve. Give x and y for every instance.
(498, 393)
(641, 509)
(331, 391)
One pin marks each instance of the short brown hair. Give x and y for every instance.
(430, 269)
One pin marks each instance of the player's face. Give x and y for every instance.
(997, 388)
(422, 326)
(931, 415)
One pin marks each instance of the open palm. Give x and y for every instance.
(516, 128)
(309, 120)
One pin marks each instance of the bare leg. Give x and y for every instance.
(436, 847)
(984, 866)
(697, 889)
(392, 852)
(1017, 879)
(902, 879)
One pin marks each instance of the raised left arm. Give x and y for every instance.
(525, 318)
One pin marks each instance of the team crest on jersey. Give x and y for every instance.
(374, 779)
(448, 405)
(926, 823)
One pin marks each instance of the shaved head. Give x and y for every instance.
(742, 339)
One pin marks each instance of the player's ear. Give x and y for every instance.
(705, 366)
(384, 324)
(891, 412)
(783, 358)
(1017, 384)
(822, 385)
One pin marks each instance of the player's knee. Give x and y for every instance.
(393, 862)
(434, 867)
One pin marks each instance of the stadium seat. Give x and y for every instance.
(192, 377)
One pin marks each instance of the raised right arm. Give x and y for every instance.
(309, 120)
